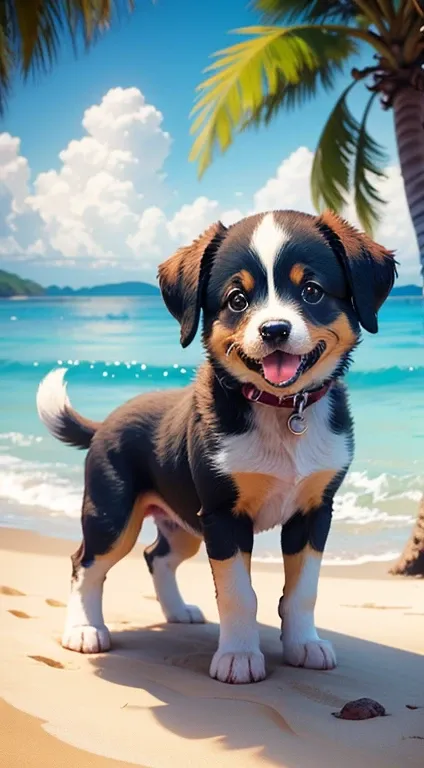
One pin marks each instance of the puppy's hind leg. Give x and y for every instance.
(111, 522)
(172, 546)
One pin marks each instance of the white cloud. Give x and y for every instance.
(106, 179)
(290, 186)
(108, 202)
(14, 172)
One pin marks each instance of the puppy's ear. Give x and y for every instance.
(370, 268)
(182, 279)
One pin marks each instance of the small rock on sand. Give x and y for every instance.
(361, 709)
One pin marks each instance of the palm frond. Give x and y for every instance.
(370, 160)
(31, 31)
(247, 73)
(333, 157)
(289, 96)
(345, 158)
(315, 11)
(6, 59)
(38, 26)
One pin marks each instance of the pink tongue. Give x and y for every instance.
(280, 366)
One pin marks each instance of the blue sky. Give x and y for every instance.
(160, 50)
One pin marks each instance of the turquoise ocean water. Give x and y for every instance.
(115, 348)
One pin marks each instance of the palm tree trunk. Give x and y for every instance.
(408, 110)
(411, 561)
(409, 125)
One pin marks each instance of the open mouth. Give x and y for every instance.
(282, 368)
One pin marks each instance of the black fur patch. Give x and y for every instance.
(160, 548)
(311, 527)
(341, 421)
(109, 498)
(295, 534)
(225, 535)
(302, 529)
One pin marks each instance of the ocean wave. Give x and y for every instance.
(33, 484)
(19, 439)
(106, 371)
(412, 375)
(348, 510)
(125, 371)
(363, 501)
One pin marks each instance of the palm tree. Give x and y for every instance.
(304, 47)
(31, 32)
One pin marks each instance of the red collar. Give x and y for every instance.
(258, 396)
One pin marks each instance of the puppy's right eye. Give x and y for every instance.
(237, 301)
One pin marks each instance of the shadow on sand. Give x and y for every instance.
(271, 717)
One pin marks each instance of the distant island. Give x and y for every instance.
(407, 291)
(13, 286)
(110, 289)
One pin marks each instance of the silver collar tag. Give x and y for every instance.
(296, 422)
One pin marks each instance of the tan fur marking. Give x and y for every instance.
(311, 490)
(247, 280)
(182, 542)
(186, 544)
(296, 274)
(219, 340)
(128, 537)
(125, 542)
(353, 240)
(339, 338)
(222, 338)
(293, 566)
(253, 490)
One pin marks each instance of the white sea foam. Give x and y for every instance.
(365, 500)
(374, 509)
(349, 511)
(32, 484)
(17, 438)
(359, 560)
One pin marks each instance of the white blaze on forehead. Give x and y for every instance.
(267, 241)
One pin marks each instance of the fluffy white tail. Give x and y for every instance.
(56, 413)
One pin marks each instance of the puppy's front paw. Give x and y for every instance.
(314, 654)
(238, 667)
(86, 639)
(187, 614)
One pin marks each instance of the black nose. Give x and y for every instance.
(275, 330)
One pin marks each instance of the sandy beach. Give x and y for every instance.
(150, 701)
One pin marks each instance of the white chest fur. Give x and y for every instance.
(268, 448)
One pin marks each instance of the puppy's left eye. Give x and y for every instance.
(312, 293)
(237, 301)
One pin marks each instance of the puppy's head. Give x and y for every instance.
(283, 295)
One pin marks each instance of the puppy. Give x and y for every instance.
(263, 437)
